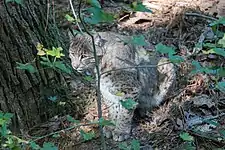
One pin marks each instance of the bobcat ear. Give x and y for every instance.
(71, 35)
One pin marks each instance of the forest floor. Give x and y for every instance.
(180, 24)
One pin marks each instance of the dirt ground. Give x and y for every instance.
(176, 23)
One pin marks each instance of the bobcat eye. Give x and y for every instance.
(82, 57)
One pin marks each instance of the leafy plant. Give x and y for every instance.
(135, 145)
(170, 51)
(87, 136)
(15, 1)
(129, 104)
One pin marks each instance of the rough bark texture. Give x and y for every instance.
(21, 27)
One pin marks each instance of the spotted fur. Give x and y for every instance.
(147, 86)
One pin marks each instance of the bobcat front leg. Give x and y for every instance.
(122, 119)
(167, 77)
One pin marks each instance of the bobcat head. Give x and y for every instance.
(81, 52)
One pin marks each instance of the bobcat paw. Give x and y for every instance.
(119, 136)
(107, 132)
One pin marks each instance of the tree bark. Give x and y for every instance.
(22, 26)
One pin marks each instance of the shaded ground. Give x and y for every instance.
(177, 23)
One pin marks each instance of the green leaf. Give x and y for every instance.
(34, 146)
(135, 144)
(176, 58)
(49, 146)
(138, 6)
(60, 65)
(222, 132)
(87, 136)
(4, 131)
(222, 41)
(164, 49)
(88, 78)
(69, 18)
(56, 136)
(221, 72)
(221, 86)
(104, 122)
(198, 67)
(16, 1)
(186, 136)
(119, 93)
(53, 98)
(94, 3)
(98, 16)
(49, 64)
(129, 104)
(71, 119)
(8, 116)
(218, 51)
(124, 146)
(26, 66)
(217, 22)
(209, 45)
(138, 40)
(55, 52)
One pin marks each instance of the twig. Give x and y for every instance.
(201, 15)
(99, 103)
(66, 129)
(75, 15)
(142, 66)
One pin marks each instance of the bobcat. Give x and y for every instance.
(118, 63)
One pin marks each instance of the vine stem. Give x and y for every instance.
(99, 102)
(75, 15)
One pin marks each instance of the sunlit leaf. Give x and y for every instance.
(186, 136)
(69, 18)
(119, 93)
(26, 66)
(129, 104)
(55, 52)
(164, 49)
(222, 41)
(41, 50)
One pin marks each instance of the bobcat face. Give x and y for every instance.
(83, 62)
(81, 54)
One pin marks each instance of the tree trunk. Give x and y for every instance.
(22, 26)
